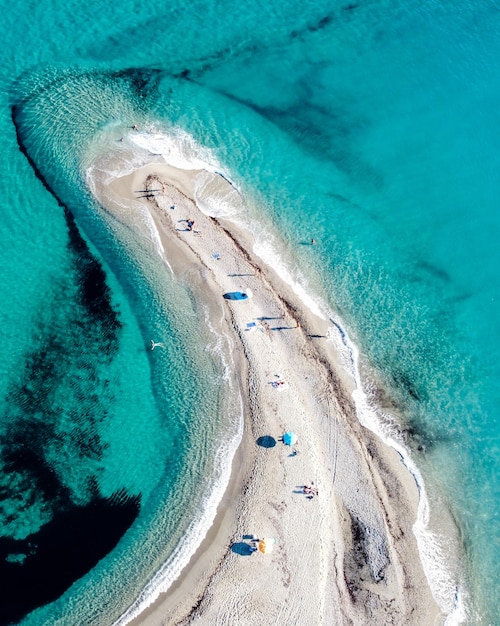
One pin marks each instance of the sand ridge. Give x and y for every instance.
(345, 556)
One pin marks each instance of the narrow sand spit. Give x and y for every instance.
(345, 556)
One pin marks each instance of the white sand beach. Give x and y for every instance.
(347, 555)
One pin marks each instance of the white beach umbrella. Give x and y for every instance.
(266, 545)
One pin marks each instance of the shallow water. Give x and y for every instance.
(370, 128)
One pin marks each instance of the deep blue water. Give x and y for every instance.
(372, 127)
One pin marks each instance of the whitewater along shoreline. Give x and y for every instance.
(347, 555)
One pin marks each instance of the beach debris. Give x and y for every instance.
(216, 256)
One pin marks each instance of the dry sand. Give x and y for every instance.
(345, 556)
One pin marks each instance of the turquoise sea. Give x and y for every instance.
(372, 127)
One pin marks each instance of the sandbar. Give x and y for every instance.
(344, 551)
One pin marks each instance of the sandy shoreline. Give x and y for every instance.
(348, 555)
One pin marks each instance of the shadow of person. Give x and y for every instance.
(266, 441)
(241, 548)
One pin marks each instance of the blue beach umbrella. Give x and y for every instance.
(290, 438)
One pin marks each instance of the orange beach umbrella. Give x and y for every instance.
(266, 545)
